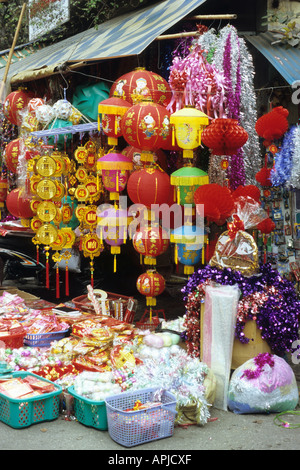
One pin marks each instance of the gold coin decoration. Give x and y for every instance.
(46, 166)
(46, 211)
(46, 189)
(46, 234)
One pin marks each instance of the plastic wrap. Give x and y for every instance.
(264, 384)
(236, 248)
(217, 336)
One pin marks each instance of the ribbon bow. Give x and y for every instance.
(234, 226)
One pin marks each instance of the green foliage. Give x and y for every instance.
(287, 30)
(84, 14)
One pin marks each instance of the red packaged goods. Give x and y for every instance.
(10, 327)
(15, 388)
(40, 385)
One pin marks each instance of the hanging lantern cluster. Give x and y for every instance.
(145, 126)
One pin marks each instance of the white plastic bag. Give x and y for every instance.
(264, 384)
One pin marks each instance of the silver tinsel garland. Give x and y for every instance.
(215, 44)
(294, 180)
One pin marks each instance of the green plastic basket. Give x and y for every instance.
(88, 412)
(21, 413)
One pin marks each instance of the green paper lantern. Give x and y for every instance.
(87, 98)
(187, 179)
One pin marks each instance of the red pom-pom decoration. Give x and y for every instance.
(249, 190)
(272, 125)
(263, 177)
(266, 225)
(224, 136)
(217, 201)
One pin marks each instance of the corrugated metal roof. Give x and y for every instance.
(125, 35)
(286, 60)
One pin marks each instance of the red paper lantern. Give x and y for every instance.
(150, 284)
(18, 204)
(148, 186)
(146, 125)
(14, 103)
(150, 242)
(141, 84)
(224, 136)
(11, 155)
(272, 125)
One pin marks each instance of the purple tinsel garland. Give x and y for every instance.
(237, 171)
(278, 317)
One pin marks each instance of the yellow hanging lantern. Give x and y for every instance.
(188, 124)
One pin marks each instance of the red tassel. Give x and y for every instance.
(57, 283)
(47, 270)
(37, 255)
(67, 281)
(207, 252)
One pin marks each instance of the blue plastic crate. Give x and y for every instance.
(89, 412)
(44, 340)
(132, 428)
(23, 412)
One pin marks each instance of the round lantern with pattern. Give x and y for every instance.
(150, 284)
(18, 204)
(134, 154)
(141, 84)
(150, 185)
(11, 155)
(146, 125)
(150, 242)
(15, 102)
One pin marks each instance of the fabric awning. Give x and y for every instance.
(125, 35)
(286, 60)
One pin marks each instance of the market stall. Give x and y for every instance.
(93, 184)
